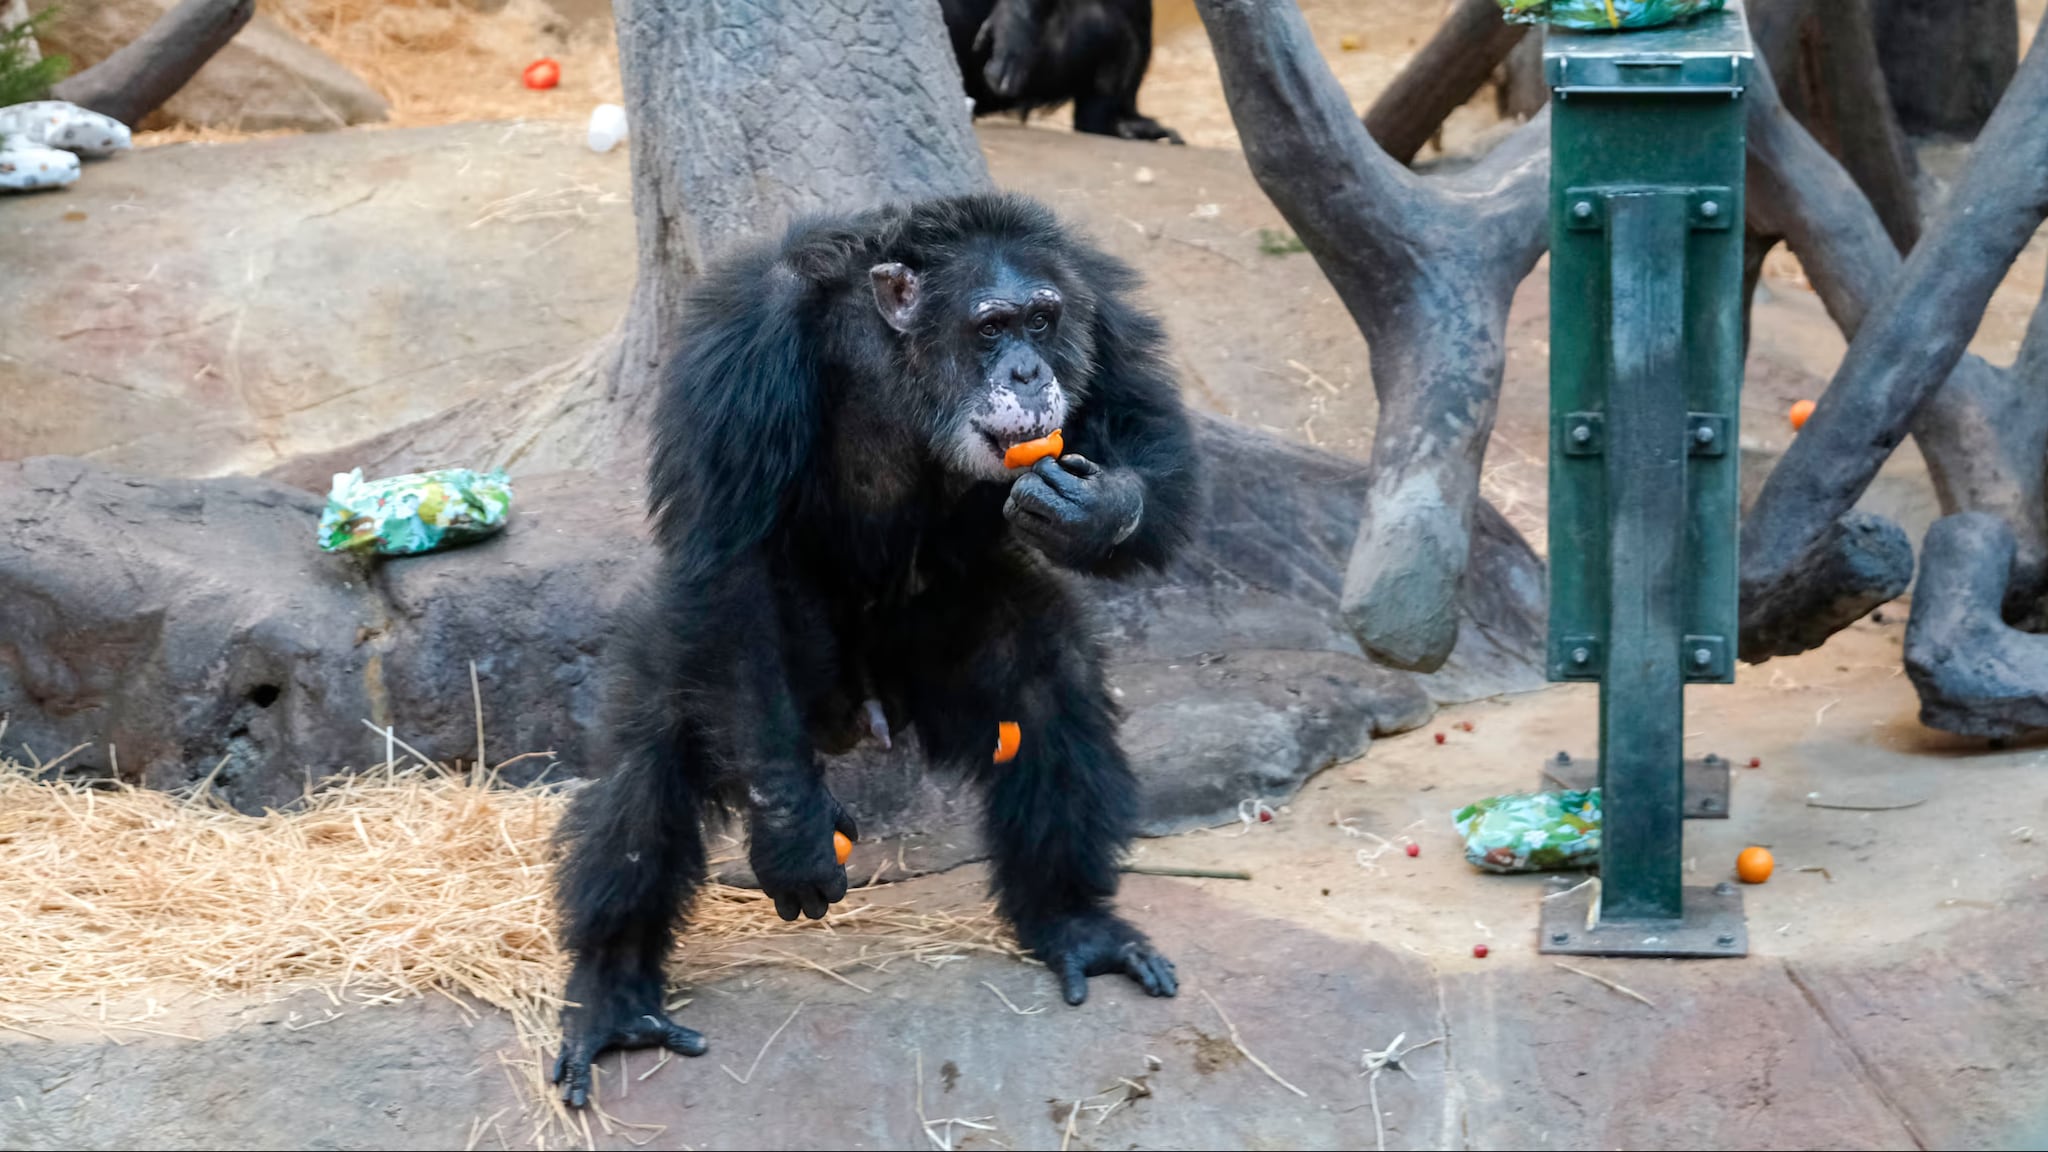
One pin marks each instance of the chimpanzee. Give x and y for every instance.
(843, 550)
(1021, 55)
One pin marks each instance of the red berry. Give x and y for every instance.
(1415, 849)
(542, 73)
(1479, 950)
(1265, 817)
(1464, 725)
(1756, 762)
(1439, 737)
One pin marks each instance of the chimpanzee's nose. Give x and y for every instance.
(1023, 373)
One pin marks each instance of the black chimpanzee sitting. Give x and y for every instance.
(1021, 55)
(843, 548)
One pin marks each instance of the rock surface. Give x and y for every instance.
(171, 626)
(265, 79)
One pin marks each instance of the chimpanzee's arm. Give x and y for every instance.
(1011, 36)
(1132, 499)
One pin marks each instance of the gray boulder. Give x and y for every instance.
(171, 627)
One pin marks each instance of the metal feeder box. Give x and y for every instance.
(1646, 352)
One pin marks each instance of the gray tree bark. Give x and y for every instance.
(1947, 62)
(745, 114)
(1975, 674)
(1427, 269)
(136, 80)
(1471, 42)
(1914, 334)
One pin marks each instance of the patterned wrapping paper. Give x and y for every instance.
(407, 515)
(1532, 831)
(1605, 15)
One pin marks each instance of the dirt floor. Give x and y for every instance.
(1892, 998)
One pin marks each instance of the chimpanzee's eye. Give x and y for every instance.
(1039, 323)
(990, 331)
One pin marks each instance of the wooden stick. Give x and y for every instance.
(1192, 873)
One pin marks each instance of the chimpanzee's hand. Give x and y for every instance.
(1074, 511)
(793, 857)
(1011, 35)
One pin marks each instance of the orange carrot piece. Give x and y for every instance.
(1008, 738)
(1032, 451)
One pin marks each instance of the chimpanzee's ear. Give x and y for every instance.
(896, 294)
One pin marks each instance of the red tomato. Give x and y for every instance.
(542, 73)
(1415, 849)
(1479, 950)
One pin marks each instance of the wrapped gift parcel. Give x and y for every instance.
(420, 512)
(1532, 831)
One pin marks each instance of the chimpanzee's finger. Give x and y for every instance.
(575, 1075)
(1032, 497)
(835, 888)
(1070, 486)
(785, 905)
(842, 823)
(684, 1041)
(814, 902)
(1080, 465)
(1073, 978)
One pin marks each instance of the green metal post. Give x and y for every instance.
(1646, 297)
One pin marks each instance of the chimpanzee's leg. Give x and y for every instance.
(1014, 645)
(635, 857)
(703, 710)
(1118, 36)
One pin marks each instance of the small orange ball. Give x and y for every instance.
(841, 846)
(1009, 738)
(1754, 865)
(1799, 413)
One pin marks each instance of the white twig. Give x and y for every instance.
(1032, 1011)
(764, 1046)
(1238, 1041)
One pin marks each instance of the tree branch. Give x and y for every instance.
(139, 78)
(1427, 269)
(1912, 339)
(1471, 42)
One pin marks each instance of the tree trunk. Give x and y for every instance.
(1947, 62)
(136, 80)
(744, 116)
(1470, 43)
(1915, 334)
(1427, 269)
(1846, 106)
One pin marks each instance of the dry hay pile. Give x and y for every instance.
(383, 886)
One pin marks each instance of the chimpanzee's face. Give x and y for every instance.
(992, 351)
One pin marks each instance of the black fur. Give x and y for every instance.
(818, 550)
(1022, 55)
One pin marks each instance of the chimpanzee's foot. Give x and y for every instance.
(1097, 944)
(628, 1015)
(1146, 128)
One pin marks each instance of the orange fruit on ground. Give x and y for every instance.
(1799, 413)
(841, 846)
(542, 73)
(1754, 865)
(1008, 737)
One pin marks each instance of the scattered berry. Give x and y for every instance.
(542, 73)
(1799, 414)
(1415, 849)
(841, 846)
(1265, 817)
(1464, 725)
(1480, 951)
(1756, 761)
(1754, 865)
(1439, 737)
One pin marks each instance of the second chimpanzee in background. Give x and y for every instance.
(844, 548)
(1022, 55)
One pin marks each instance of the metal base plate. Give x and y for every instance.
(1713, 926)
(1706, 782)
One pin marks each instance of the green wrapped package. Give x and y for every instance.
(407, 515)
(1606, 15)
(1532, 831)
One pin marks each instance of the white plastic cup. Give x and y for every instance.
(607, 127)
